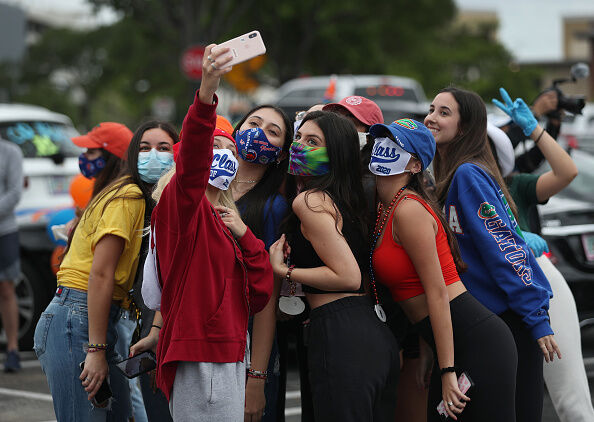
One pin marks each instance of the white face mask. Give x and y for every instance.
(387, 158)
(362, 139)
(223, 169)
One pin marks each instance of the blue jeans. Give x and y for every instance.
(61, 333)
(125, 327)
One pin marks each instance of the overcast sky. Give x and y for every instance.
(530, 29)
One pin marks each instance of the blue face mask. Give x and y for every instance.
(253, 146)
(90, 168)
(152, 164)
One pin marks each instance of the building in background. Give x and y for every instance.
(12, 47)
(577, 41)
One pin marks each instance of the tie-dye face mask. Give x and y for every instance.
(308, 161)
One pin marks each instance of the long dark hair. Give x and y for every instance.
(128, 175)
(469, 146)
(255, 200)
(418, 184)
(113, 166)
(343, 180)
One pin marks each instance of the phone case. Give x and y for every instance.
(464, 384)
(244, 47)
(139, 364)
(103, 393)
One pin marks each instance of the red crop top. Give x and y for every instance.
(394, 269)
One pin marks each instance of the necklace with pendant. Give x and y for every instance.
(379, 226)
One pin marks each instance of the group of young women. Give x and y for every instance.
(465, 279)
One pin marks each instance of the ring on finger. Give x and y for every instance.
(450, 403)
(210, 59)
(214, 66)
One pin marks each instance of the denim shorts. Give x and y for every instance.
(60, 336)
(10, 267)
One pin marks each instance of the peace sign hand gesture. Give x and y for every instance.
(518, 111)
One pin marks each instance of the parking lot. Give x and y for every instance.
(24, 397)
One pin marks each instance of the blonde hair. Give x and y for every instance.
(225, 197)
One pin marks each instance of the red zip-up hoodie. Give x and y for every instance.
(210, 281)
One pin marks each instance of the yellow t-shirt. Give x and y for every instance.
(122, 217)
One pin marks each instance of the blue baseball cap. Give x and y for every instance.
(412, 136)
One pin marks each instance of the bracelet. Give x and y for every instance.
(94, 349)
(155, 326)
(539, 136)
(98, 346)
(446, 370)
(261, 375)
(292, 284)
(289, 271)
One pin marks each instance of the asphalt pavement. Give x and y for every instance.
(25, 397)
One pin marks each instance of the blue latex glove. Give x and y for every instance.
(536, 243)
(518, 111)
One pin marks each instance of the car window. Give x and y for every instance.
(41, 139)
(385, 92)
(311, 95)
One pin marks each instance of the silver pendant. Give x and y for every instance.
(379, 311)
(291, 305)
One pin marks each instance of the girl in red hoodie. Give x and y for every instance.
(212, 270)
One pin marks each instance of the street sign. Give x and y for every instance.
(191, 62)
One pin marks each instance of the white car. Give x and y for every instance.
(567, 221)
(50, 163)
(577, 131)
(397, 97)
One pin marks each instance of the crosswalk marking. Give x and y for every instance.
(26, 394)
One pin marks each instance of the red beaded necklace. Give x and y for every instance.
(376, 234)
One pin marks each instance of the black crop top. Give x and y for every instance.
(303, 254)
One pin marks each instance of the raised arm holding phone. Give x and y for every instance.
(207, 295)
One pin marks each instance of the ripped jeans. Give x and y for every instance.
(61, 333)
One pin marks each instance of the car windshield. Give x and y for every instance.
(581, 187)
(41, 139)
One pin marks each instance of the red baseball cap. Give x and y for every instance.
(364, 110)
(110, 136)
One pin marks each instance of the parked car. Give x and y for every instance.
(50, 163)
(397, 96)
(577, 130)
(568, 226)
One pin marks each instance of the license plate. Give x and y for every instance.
(588, 243)
(58, 185)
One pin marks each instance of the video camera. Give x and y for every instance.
(576, 103)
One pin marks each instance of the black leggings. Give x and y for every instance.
(353, 363)
(484, 348)
(530, 378)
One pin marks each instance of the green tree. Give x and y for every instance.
(115, 72)
(472, 60)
